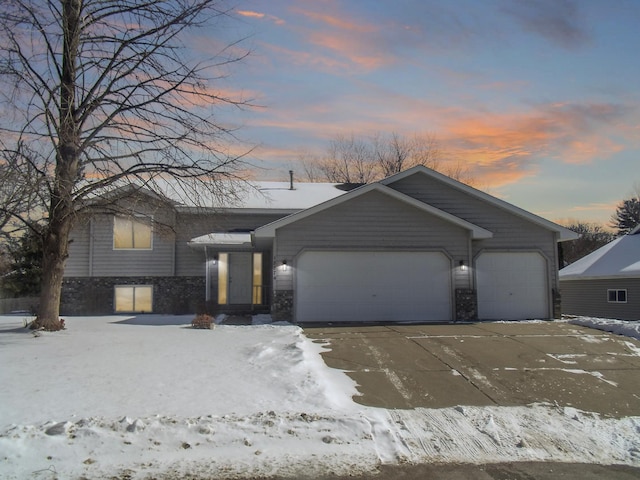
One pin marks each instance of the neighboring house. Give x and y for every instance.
(605, 283)
(417, 246)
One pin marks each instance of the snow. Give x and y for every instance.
(620, 327)
(617, 259)
(259, 195)
(150, 397)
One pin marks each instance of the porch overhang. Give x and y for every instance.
(221, 241)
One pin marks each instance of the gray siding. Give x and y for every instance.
(78, 263)
(109, 262)
(191, 261)
(589, 298)
(91, 252)
(510, 231)
(370, 222)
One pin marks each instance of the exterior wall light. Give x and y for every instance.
(463, 267)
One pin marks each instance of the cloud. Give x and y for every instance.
(355, 41)
(558, 21)
(505, 147)
(261, 16)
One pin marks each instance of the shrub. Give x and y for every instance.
(202, 321)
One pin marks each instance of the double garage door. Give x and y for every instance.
(373, 286)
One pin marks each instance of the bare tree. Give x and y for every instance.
(395, 153)
(106, 94)
(349, 160)
(592, 237)
(352, 159)
(21, 190)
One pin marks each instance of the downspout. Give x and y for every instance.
(472, 267)
(91, 247)
(207, 274)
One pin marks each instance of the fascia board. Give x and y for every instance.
(564, 233)
(269, 230)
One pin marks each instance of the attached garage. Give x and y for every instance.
(512, 286)
(365, 286)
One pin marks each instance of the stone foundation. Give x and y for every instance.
(282, 307)
(95, 295)
(466, 304)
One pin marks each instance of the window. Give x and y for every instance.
(617, 296)
(223, 269)
(132, 233)
(133, 298)
(256, 298)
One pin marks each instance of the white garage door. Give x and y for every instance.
(512, 286)
(373, 286)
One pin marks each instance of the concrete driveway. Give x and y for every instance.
(506, 364)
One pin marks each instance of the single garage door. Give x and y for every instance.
(512, 286)
(373, 286)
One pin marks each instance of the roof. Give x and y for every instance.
(258, 196)
(269, 230)
(564, 234)
(250, 195)
(226, 239)
(617, 259)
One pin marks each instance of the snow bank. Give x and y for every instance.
(619, 327)
(152, 398)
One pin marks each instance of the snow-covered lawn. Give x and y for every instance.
(112, 397)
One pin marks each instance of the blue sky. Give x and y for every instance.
(540, 99)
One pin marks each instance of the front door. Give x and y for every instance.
(240, 278)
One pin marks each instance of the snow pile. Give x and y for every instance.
(117, 396)
(619, 327)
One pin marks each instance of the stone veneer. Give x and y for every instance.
(466, 304)
(95, 295)
(282, 307)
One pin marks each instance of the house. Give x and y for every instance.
(417, 246)
(605, 283)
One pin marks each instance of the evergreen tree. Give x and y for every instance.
(627, 216)
(25, 266)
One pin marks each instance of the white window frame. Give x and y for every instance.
(132, 287)
(148, 222)
(617, 292)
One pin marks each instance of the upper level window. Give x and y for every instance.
(132, 233)
(617, 296)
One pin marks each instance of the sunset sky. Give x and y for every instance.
(541, 99)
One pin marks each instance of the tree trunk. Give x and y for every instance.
(55, 253)
(61, 209)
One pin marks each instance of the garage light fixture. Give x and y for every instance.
(463, 267)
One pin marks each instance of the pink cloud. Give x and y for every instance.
(261, 16)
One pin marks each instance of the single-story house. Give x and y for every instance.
(416, 246)
(605, 283)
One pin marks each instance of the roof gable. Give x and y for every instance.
(564, 233)
(269, 230)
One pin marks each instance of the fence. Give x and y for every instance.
(8, 305)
